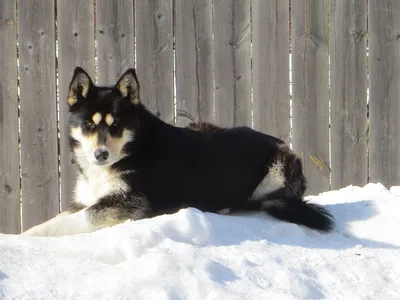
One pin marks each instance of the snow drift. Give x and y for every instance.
(195, 255)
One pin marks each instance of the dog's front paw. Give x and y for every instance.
(39, 231)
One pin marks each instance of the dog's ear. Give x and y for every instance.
(128, 85)
(79, 86)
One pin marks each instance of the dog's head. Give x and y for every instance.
(102, 118)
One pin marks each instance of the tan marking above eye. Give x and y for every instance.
(97, 118)
(109, 119)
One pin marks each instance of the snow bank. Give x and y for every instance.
(195, 255)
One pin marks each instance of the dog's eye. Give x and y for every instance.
(89, 124)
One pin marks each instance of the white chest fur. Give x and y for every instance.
(100, 182)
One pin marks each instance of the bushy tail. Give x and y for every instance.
(300, 212)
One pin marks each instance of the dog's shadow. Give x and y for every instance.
(2, 277)
(259, 226)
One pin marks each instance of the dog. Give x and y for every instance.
(132, 165)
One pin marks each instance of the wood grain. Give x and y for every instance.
(311, 91)
(194, 60)
(349, 130)
(242, 62)
(384, 104)
(155, 57)
(271, 101)
(115, 39)
(10, 218)
(39, 153)
(75, 48)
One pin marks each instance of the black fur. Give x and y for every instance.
(202, 166)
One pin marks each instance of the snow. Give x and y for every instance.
(195, 255)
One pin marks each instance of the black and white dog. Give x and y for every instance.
(132, 165)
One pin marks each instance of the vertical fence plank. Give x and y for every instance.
(348, 93)
(155, 60)
(75, 48)
(270, 38)
(204, 58)
(39, 155)
(194, 59)
(185, 53)
(9, 158)
(310, 91)
(232, 56)
(224, 66)
(242, 62)
(115, 39)
(384, 104)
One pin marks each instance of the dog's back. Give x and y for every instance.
(211, 171)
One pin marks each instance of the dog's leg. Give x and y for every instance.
(64, 224)
(42, 229)
(113, 210)
(110, 210)
(281, 192)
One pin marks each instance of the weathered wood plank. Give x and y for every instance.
(242, 62)
(349, 129)
(310, 91)
(185, 53)
(194, 59)
(271, 100)
(39, 157)
(75, 48)
(232, 56)
(224, 62)
(384, 104)
(155, 57)
(115, 39)
(10, 219)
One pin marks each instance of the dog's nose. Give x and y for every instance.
(101, 155)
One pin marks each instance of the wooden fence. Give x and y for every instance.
(301, 74)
